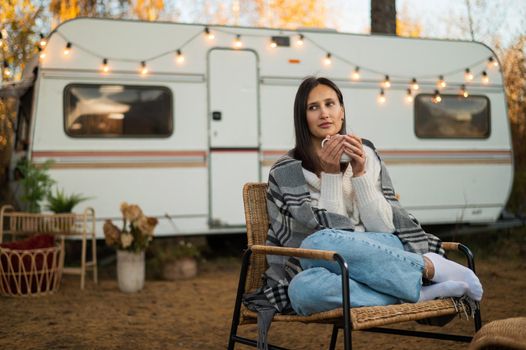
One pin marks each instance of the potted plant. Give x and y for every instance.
(36, 183)
(59, 202)
(179, 260)
(130, 242)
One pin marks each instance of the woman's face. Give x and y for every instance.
(324, 113)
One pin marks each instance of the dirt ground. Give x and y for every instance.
(197, 313)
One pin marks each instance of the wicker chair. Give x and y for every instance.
(70, 225)
(360, 318)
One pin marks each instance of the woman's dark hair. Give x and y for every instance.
(303, 149)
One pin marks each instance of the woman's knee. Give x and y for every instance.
(308, 290)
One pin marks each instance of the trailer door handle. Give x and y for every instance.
(216, 115)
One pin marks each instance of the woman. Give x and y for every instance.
(332, 192)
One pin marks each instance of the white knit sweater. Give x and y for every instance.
(359, 198)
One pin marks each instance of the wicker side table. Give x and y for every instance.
(506, 334)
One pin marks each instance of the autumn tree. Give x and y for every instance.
(383, 16)
(63, 10)
(406, 26)
(513, 62)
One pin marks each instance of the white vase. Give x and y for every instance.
(130, 271)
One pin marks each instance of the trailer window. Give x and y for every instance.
(104, 110)
(453, 117)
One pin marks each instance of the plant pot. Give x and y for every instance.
(130, 271)
(182, 268)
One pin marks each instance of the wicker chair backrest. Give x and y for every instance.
(256, 216)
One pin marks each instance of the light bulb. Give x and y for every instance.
(179, 57)
(67, 49)
(414, 84)
(468, 76)
(356, 74)
(409, 96)
(492, 63)
(144, 69)
(209, 34)
(105, 66)
(437, 98)
(237, 42)
(327, 60)
(43, 41)
(441, 83)
(386, 83)
(463, 91)
(299, 42)
(381, 97)
(485, 78)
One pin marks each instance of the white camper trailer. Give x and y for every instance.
(176, 117)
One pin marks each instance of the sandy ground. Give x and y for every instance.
(196, 314)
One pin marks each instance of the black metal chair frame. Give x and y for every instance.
(346, 326)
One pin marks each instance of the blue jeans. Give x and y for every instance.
(381, 272)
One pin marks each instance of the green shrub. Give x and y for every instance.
(36, 183)
(59, 202)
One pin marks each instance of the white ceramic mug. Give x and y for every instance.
(345, 157)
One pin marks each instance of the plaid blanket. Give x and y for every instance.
(292, 219)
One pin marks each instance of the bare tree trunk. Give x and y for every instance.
(383, 16)
(470, 20)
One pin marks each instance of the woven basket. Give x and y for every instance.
(32, 272)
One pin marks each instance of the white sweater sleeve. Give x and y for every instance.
(375, 212)
(331, 194)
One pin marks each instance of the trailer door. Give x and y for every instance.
(233, 132)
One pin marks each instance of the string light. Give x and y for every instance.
(105, 66)
(299, 42)
(328, 60)
(386, 83)
(485, 78)
(441, 83)
(468, 76)
(414, 84)
(43, 41)
(409, 96)
(144, 69)
(209, 34)
(42, 54)
(7, 71)
(463, 91)
(381, 97)
(179, 57)
(67, 49)
(356, 74)
(492, 63)
(237, 42)
(437, 98)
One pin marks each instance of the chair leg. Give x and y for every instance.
(347, 340)
(94, 258)
(471, 264)
(83, 262)
(239, 298)
(334, 337)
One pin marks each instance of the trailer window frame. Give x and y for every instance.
(416, 115)
(170, 112)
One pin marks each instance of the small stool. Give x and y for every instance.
(506, 334)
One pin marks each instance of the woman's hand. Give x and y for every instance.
(354, 148)
(330, 154)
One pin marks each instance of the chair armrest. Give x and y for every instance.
(470, 258)
(296, 252)
(450, 245)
